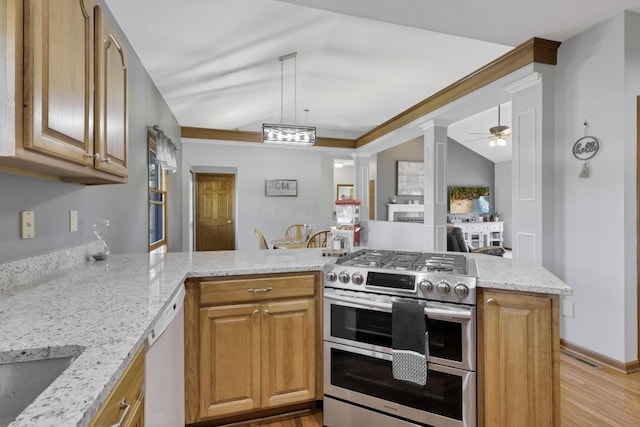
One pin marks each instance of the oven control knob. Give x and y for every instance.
(357, 279)
(426, 286)
(443, 288)
(332, 276)
(343, 277)
(461, 290)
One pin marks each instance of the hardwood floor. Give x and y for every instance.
(590, 396)
(597, 396)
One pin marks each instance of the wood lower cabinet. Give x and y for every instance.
(518, 359)
(251, 345)
(124, 406)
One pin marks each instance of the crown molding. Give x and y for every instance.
(533, 50)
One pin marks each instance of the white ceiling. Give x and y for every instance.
(359, 62)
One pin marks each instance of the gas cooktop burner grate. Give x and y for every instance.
(400, 260)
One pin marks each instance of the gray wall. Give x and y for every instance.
(125, 205)
(464, 167)
(386, 174)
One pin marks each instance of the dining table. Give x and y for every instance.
(288, 244)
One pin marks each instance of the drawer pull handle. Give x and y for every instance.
(123, 405)
(260, 290)
(491, 301)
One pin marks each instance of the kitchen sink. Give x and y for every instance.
(22, 382)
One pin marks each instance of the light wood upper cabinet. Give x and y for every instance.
(58, 79)
(518, 351)
(111, 98)
(64, 100)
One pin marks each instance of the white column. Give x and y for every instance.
(361, 180)
(532, 167)
(435, 188)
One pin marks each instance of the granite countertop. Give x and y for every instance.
(102, 311)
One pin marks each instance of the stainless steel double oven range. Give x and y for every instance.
(359, 388)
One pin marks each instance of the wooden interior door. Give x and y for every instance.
(215, 229)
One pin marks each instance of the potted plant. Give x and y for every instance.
(494, 216)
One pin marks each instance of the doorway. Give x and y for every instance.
(214, 212)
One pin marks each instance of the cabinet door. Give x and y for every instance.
(288, 352)
(111, 98)
(58, 79)
(518, 360)
(229, 359)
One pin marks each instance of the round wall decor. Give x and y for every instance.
(586, 147)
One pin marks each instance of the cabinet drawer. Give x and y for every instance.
(129, 389)
(248, 290)
(474, 228)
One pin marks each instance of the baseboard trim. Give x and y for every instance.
(592, 356)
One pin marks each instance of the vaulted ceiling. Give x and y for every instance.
(358, 63)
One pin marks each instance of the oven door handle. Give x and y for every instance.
(457, 312)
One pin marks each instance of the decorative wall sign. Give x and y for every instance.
(281, 187)
(410, 178)
(584, 149)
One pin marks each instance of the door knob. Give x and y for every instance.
(491, 301)
(229, 221)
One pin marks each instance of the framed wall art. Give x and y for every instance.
(345, 192)
(281, 187)
(410, 178)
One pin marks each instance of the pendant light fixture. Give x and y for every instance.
(291, 134)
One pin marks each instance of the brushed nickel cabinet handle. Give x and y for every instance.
(266, 312)
(123, 405)
(106, 160)
(256, 312)
(491, 301)
(260, 290)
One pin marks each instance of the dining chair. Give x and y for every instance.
(262, 242)
(294, 232)
(318, 239)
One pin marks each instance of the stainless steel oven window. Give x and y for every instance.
(352, 320)
(364, 377)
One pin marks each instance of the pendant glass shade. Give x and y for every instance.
(288, 134)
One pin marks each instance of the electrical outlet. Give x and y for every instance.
(567, 308)
(73, 221)
(27, 224)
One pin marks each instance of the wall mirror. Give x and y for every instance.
(344, 191)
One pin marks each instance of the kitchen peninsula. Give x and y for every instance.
(102, 311)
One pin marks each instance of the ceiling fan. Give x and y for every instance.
(497, 134)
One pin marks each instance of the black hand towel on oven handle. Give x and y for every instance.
(410, 342)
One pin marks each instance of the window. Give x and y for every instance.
(157, 199)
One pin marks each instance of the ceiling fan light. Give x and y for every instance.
(492, 143)
(501, 142)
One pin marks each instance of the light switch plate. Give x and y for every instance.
(27, 224)
(73, 220)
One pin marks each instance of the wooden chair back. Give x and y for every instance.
(262, 242)
(318, 239)
(294, 232)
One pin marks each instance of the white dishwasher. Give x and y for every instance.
(164, 367)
